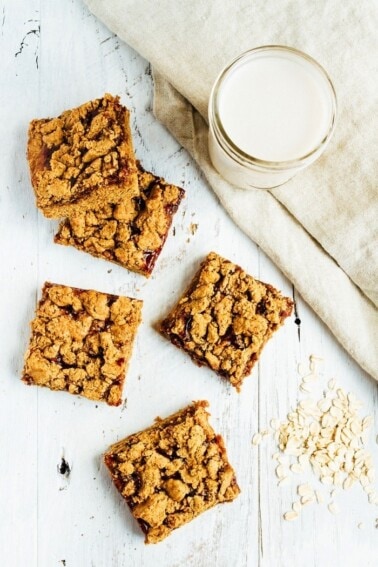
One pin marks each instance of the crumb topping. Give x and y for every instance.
(81, 342)
(172, 472)
(225, 318)
(131, 232)
(84, 155)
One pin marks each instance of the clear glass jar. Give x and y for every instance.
(235, 163)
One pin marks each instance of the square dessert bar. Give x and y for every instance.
(225, 318)
(131, 232)
(172, 472)
(81, 342)
(82, 158)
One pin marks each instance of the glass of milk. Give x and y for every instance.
(271, 114)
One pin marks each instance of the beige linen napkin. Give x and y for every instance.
(320, 228)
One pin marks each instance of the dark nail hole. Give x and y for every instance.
(64, 468)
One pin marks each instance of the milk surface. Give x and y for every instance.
(275, 108)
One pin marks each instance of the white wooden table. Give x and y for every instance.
(56, 55)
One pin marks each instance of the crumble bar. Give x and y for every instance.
(83, 158)
(172, 472)
(225, 318)
(131, 232)
(81, 342)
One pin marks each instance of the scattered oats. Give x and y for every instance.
(341, 394)
(265, 433)
(360, 454)
(333, 466)
(256, 439)
(327, 434)
(367, 422)
(355, 427)
(364, 481)
(349, 455)
(348, 482)
(291, 515)
(307, 500)
(333, 508)
(282, 459)
(305, 490)
(336, 412)
(296, 468)
(338, 403)
(371, 475)
(369, 460)
(319, 496)
(297, 506)
(316, 357)
(372, 497)
(314, 428)
(314, 361)
(324, 404)
(304, 460)
(312, 365)
(302, 418)
(280, 471)
(309, 378)
(354, 443)
(291, 445)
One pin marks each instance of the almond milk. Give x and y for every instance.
(271, 114)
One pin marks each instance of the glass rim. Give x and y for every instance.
(237, 153)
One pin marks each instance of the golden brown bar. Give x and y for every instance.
(83, 158)
(225, 318)
(130, 232)
(172, 472)
(81, 342)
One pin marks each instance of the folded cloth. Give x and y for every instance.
(321, 227)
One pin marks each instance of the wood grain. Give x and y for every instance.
(56, 55)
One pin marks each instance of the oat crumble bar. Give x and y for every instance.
(83, 158)
(225, 318)
(81, 342)
(131, 232)
(172, 472)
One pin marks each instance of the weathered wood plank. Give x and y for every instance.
(52, 515)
